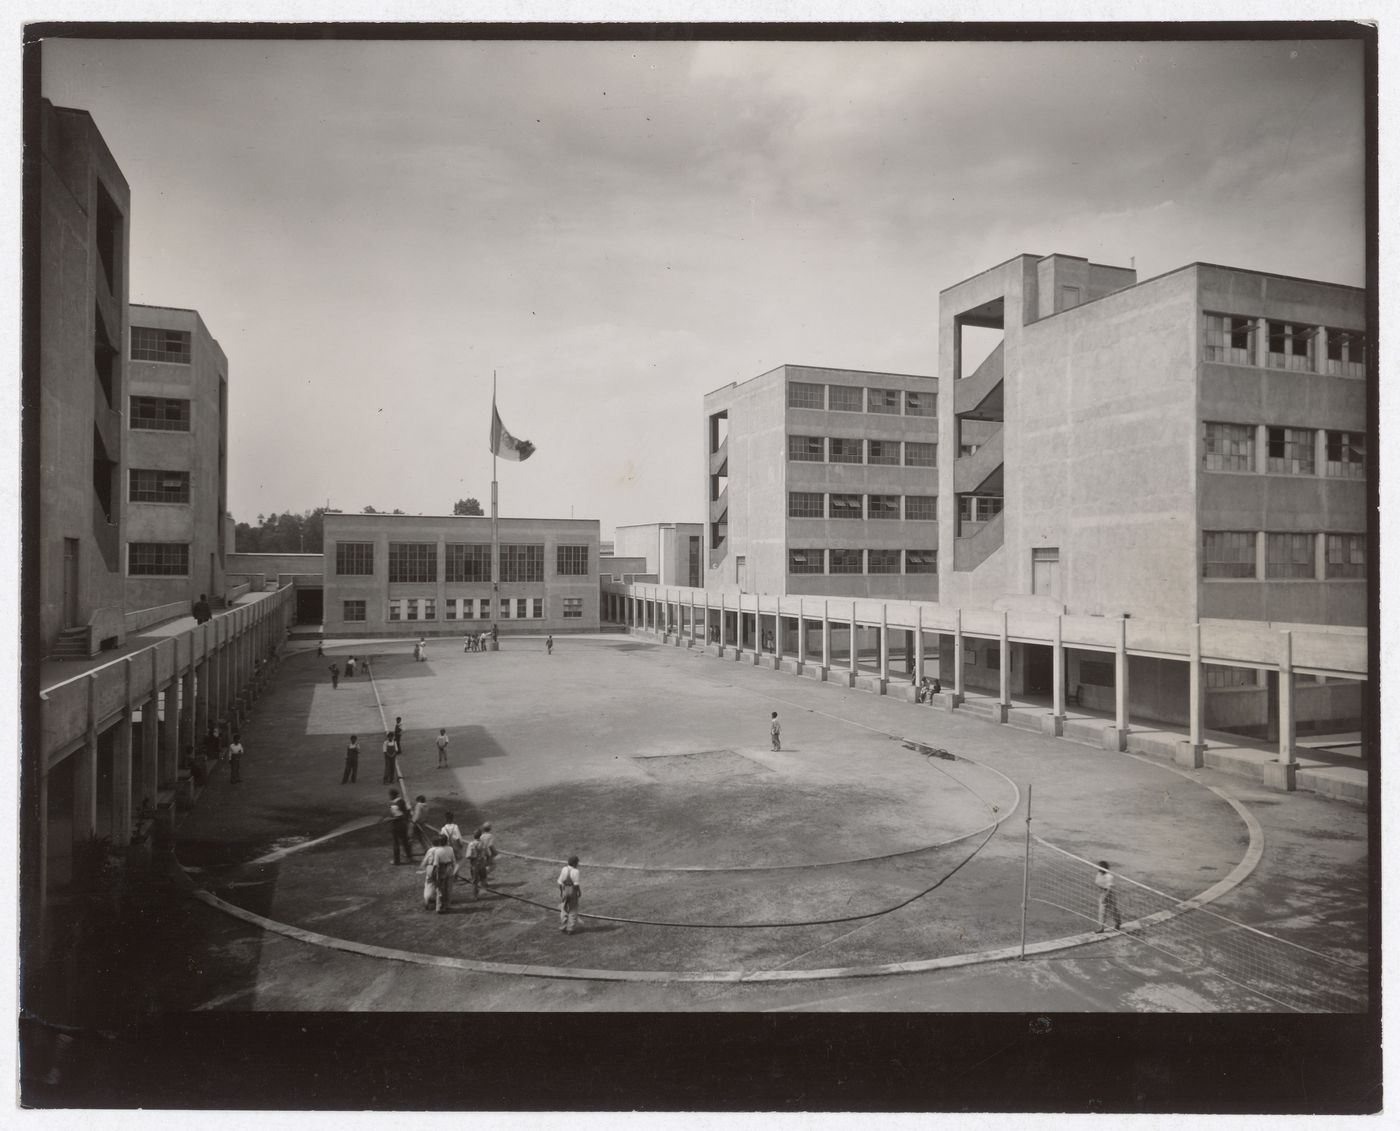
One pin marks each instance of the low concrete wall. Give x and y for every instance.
(138, 619)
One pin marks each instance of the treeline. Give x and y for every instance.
(304, 533)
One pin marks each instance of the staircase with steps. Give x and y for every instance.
(72, 645)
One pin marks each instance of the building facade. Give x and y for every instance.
(176, 490)
(83, 263)
(405, 574)
(823, 481)
(674, 552)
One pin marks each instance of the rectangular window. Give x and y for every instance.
(573, 608)
(801, 395)
(1228, 553)
(921, 508)
(1289, 555)
(846, 451)
(882, 506)
(884, 401)
(884, 452)
(430, 608)
(806, 449)
(845, 398)
(449, 608)
(1346, 454)
(524, 562)
(918, 454)
(920, 404)
(148, 486)
(1290, 346)
(161, 414)
(411, 604)
(571, 561)
(354, 559)
(505, 608)
(920, 561)
(1229, 447)
(158, 559)
(522, 608)
(1346, 353)
(806, 561)
(537, 607)
(468, 608)
(1346, 555)
(150, 344)
(353, 610)
(468, 561)
(412, 561)
(805, 504)
(884, 561)
(1228, 339)
(1291, 450)
(979, 508)
(845, 506)
(396, 610)
(847, 561)
(1220, 676)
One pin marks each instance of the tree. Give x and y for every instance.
(369, 510)
(467, 506)
(288, 533)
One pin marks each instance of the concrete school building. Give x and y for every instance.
(823, 481)
(177, 457)
(671, 553)
(83, 268)
(399, 575)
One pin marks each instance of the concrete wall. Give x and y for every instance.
(376, 591)
(664, 548)
(202, 451)
(79, 309)
(273, 564)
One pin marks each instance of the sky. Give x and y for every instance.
(372, 229)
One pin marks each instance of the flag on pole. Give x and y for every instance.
(505, 445)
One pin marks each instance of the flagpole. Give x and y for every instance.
(495, 530)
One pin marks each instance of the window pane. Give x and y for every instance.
(412, 561)
(802, 395)
(884, 452)
(845, 398)
(920, 561)
(807, 449)
(522, 562)
(158, 559)
(1229, 447)
(354, 610)
(468, 561)
(920, 404)
(846, 506)
(921, 508)
(1289, 555)
(920, 455)
(806, 561)
(883, 506)
(804, 504)
(1291, 450)
(1346, 555)
(1228, 338)
(1228, 553)
(149, 344)
(572, 561)
(573, 607)
(884, 561)
(846, 561)
(354, 559)
(150, 486)
(160, 414)
(846, 450)
(884, 401)
(1346, 454)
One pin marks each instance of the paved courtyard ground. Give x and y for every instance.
(882, 833)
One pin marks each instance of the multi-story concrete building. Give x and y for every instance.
(673, 552)
(1191, 446)
(405, 574)
(83, 261)
(823, 481)
(177, 459)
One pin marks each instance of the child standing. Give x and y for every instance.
(442, 741)
(775, 731)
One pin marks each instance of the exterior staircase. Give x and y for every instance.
(72, 645)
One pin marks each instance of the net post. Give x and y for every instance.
(1026, 872)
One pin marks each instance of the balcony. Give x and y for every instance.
(971, 472)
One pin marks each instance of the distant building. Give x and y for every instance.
(83, 257)
(823, 481)
(673, 551)
(401, 574)
(177, 459)
(625, 570)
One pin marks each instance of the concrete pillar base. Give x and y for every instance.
(1190, 755)
(1000, 711)
(1052, 725)
(841, 677)
(1115, 739)
(1281, 775)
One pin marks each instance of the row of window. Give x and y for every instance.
(157, 559)
(1296, 346)
(1235, 553)
(146, 485)
(839, 449)
(160, 414)
(465, 608)
(857, 398)
(463, 561)
(862, 561)
(151, 344)
(815, 504)
(1288, 451)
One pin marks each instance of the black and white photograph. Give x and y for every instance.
(682, 567)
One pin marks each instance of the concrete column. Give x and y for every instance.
(692, 616)
(958, 691)
(706, 636)
(721, 620)
(1003, 707)
(918, 643)
(187, 709)
(1283, 774)
(855, 666)
(150, 748)
(1261, 447)
(1261, 554)
(1192, 752)
(1320, 350)
(826, 638)
(170, 737)
(1116, 738)
(85, 774)
(1260, 342)
(1055, 722)
(1320, 452)
(120, 811)
(884, 643)
(1320, 556)
(778, 632)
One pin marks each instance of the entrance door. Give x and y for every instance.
(70, 583)
(1040, 669)
(309, 609)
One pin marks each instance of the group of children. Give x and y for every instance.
(477, 641)
(449, 853)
